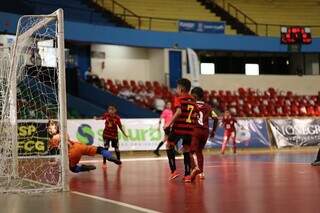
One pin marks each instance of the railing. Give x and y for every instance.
(91, 13)
(119, 10)
(241, 16)
(140, 22)
(148, 23)
(261, 29)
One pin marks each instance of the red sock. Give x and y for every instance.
(200, 160)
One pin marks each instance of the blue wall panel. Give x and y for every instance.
(175, 67)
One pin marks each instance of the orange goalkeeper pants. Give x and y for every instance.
(76, 150)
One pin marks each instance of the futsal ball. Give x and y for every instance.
(85, 134)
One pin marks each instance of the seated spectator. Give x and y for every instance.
(126, 94)
(287, 102)
(215, 101)
(303, 110)
(256, 110)
(150, 94)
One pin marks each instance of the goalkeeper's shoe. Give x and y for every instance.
(86, 168)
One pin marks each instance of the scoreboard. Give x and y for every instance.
(296, 35)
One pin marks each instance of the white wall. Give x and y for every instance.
(312, 64)
(130, 63)
(304, 85)
(157, 65)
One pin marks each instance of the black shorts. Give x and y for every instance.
(174, 138)
(167, 131)
(114, 142)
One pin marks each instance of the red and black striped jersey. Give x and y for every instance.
(205, 112)
(186, 122)
(229, 123)
(112, 122)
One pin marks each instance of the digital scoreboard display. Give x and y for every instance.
(296, 35)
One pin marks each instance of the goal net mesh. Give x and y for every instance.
(29, 97)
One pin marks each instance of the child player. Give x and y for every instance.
(76, 150)
(182, 123)
(229, 123)
(110, 132)
(201, 132)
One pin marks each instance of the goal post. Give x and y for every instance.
(34, 91)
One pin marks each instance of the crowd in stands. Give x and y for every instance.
(245, 102)
(257, 103)
(147, 94)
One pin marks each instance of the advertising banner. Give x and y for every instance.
(201, 26)
(143, 134)
(252, 133)
(296, 132)
(32, 138)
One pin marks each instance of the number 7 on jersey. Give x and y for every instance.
(190, 108)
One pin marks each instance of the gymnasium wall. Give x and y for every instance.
(130, 63)
(133, 63)
(303, 85)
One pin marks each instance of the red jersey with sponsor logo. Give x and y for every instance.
(205, 112)
(229, 123)
(186, 122)
(112, 122)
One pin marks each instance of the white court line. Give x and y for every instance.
(218, 166)
(131, 159)
(115, 202)
(280, 162)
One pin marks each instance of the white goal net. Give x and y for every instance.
(32, 90)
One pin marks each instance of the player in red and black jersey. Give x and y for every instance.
(182, 125)
(110, 132)
(201, 132)
(229, 123)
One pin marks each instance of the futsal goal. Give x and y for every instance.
(32, 90)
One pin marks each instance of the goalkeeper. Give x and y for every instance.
(76, 150)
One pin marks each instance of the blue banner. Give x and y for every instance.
(201, 26)
(252, 133)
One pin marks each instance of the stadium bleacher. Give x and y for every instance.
(279, 12)
(168, 12)
(74, 10)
